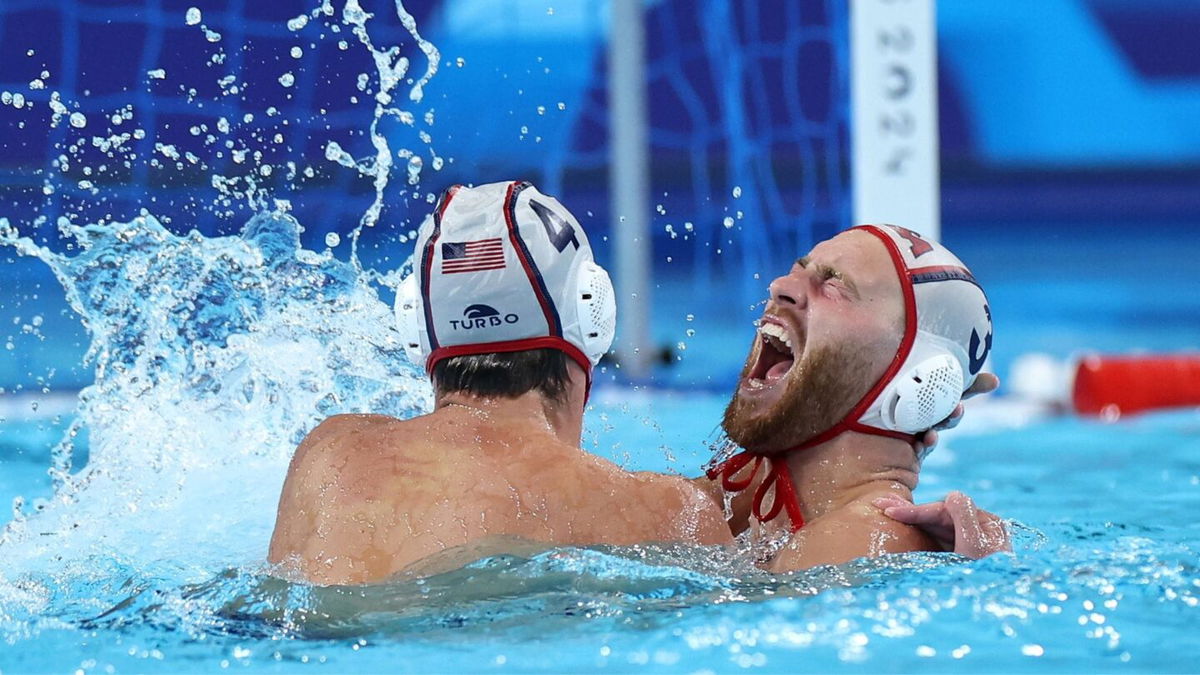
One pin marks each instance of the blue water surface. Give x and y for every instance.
(1105, 574)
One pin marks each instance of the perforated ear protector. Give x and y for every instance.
(923, 396)
(596, 306)
(408, 319)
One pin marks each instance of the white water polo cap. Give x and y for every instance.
(947, 336)
(504, 268)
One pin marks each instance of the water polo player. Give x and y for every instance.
(865, 343)
(508, 314)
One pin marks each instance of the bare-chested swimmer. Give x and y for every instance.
(508, 313)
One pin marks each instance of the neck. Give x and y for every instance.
(530, 410)
(852, 465)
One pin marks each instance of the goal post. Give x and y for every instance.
(629, 181)
(894, 124)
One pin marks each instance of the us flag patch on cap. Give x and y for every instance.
(472, 256)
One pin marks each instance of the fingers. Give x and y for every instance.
(925, 444)
(985, 383)
(969, 539)
(995, 533)
(956, 523)
(979, 533)
(913, 514)
(953, 420)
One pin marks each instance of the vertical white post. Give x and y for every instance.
(629, 184)
(894, 123)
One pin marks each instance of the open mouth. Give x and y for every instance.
(775, 356)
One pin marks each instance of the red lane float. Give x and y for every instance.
(1111, 386)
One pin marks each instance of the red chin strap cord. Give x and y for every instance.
(777, 476)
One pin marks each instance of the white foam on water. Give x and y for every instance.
(213, 357)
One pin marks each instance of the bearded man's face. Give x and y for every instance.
(832, 325)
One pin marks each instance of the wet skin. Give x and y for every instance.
(368, 496)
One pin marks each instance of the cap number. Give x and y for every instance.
(976, 357)
(558, 230)
(916, 244)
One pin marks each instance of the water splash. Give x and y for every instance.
(391, 68)
(212, 357)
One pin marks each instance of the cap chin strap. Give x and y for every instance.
(778, 475)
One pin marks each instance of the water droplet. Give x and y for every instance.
(691, 332)
(728, 222)
(287, 79)
(297, 52)
(737, 191)
(415, 164)
(460, 62)
(78, 120)
(689, 226)
(298, 22)
(562, 106)
(332, 239)
(541, 110)
(193, 16)
(690, 317)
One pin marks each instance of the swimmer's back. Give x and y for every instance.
(368, 495)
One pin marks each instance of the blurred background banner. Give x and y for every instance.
(1068, 148)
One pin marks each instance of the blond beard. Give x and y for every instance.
(827, 386)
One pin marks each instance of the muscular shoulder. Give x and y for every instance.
(332, 435)
(687, 508)
(338, 496)
(856, 530)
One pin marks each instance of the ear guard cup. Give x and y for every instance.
(596, 308)
(923, 396)
(409, 320)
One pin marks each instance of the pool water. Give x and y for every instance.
(1104, 576)
(143, 494)
(143, 504)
